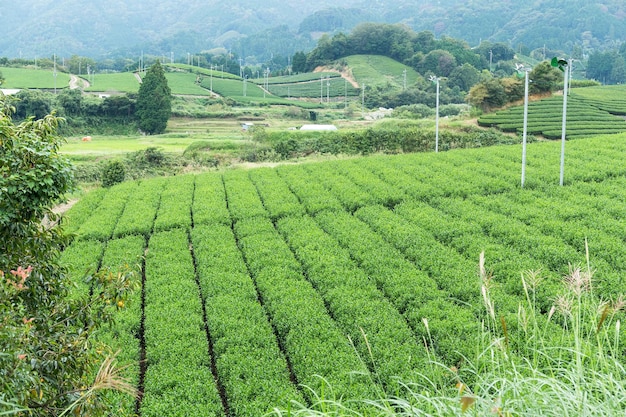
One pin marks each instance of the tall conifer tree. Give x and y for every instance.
(154, 102)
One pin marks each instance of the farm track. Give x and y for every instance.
(294, 246)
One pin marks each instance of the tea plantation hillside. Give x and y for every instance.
(344, 276)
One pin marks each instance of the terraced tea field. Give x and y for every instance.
(585, 116)
(257, 282)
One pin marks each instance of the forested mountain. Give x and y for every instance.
(259, 30)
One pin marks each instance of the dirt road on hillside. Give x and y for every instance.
(77, 82)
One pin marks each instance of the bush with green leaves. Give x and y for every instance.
(113, 173)
(47, 364)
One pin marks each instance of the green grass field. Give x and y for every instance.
(33, 78)
(340, 278)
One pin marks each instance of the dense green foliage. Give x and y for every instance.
(401, 139)
(48, 362)
(343, 276)
(154, 101)
(608, 67)
(272, 31)
(113, 173)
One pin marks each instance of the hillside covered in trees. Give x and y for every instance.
(262, 31)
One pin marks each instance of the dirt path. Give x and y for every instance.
(75, 82)
(345, 74)
(59, 210)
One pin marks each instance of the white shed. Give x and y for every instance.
(318, 127)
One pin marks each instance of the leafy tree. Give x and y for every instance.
(489, 93)
(154, 101)
(71, 101)
(118, 106)
(460, 50)
(47, 361)
(438, 62)
(32, 103)
(545, 78)
(464, 77)
(298, 64)
(79, 64)
(607, 67)
(495, 51)
(618, 72)
(1, 78)
(424, 42)
(393, 41)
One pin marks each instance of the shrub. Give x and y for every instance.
(113, 173)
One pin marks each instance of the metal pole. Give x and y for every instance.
(363, 102)
(437, 120)
(525, 127)
(566, 77)
(321, 88)
(328, 89)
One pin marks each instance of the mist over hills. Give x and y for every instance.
(110, 28)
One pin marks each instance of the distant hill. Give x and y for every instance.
(113, 28)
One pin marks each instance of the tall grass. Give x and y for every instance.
(563, 362)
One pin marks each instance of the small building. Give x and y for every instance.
(245, 126)
(318, 127)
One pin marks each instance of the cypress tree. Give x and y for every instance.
(154, 101)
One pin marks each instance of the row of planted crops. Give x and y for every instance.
(266, 286)
(585, 117)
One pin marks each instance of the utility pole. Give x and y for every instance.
(563, 128)
(321, 89)
(328, 89)
(524, 134)
(436, 80)
(363, 102)
(54, 73)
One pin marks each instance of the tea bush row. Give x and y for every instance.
(313, 341)
(178, 379)
(249, 362)
(380, 334)
(103, 220)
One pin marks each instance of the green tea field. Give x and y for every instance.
(587, 115)
(266, 286)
